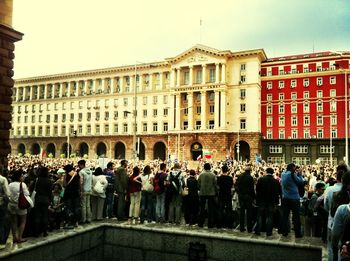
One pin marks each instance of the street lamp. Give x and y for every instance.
(346, 111)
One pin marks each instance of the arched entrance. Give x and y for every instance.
(159, 151)
(119, 151)
(83, 149)
(51, 149)
(101, 150)
(35, 149)
(21, 149)
(142, 151)
(64, 149)
(196, 151)
(244, 151)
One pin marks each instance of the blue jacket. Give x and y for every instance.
(289, 188)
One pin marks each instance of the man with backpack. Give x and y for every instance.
(175, 182)
(159, 189)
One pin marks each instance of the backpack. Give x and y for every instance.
(174, 183)
(156, 183)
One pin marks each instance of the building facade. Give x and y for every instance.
(201, 99)
(303, 107)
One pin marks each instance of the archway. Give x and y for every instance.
(35, 149)
(142, 151)
(83, 149)
(244, 151)
(159, 151)
(196, 151)
(64, 149)
(119, 151)
(21, 149)
(51, 149)
(101, 150)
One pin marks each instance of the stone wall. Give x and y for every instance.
(8, 37)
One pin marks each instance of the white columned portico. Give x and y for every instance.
(191, 75)
(190, 110)
(204, 110)
(204, 73)
(216, 109)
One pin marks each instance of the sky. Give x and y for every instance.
(74, 35)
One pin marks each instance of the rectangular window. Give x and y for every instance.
(294, 96)
(319, 106)
(125, 101)
(333, 119)
(115, 128)
(242, 93)
(293, 83)
(242, 124)
(281, 96)
(306, 82)
(334, 133)
(294, 134)
(165, 112)
(199, 76)
(320, 133)
(269, 121)
(275, 149)
(211, 124)
(333, 106)
(269, 134)
(144, 127)
(269, 97)
(155, 112)
(199, 110)
(165, 127)
(320, 120)
(281, 108)
(185, 125)
(243, 66)
(319, 81)
(332, 93)
(97, 129)
(306, 133)
(144, 100)
(332, 80)
(144, 113)
(281, 121)
(243, 79)
(242, 107)
(294, 120)
(186, 77)
(155, 126)
(319, 94)
(269, 85)
(125, 127)
(211, 109)
(280, 84)
(306, 120)
(269, 109)
(306, 107)
(165, 99)
(301, 149)
(198, 125)
(106, 129)
(306, 95)
(294, 107)
(155, 99)
(326, 149)
(211, 75)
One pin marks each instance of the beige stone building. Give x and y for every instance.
(200, 100)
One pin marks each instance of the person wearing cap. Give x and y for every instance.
(291, 199)
(268, 192)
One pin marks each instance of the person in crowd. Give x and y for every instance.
(268, 193)
(98, 194)
(191, 201)
(246, 196)
(225, 186)
(85, 176)
(159, 182)
(175, 183)
(43, 198)
(341, 223)
(121, 179)
(134, 190)
(110, 190)
(18, 216)
(291, 199)
(4, 198)
(56, 208)
(316, 219)
(147, 195)
(328, 199)
(207, 193)
(71, 196)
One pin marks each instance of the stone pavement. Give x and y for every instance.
(193, 230)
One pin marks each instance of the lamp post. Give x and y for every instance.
(346, 110)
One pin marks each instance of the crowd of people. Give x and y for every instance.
(254, 197)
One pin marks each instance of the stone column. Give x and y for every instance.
(24, 93)
(30, 93)
(191, 75)
(161, 81)
(93, 82)
(190, 110)
(172, 77)
(140, 87)
(217, 72)
(121, 84)
(223, 110)
(112, 85)
(60, 87)
(69, 88)
(216, 109)
(204, 110)
(8, 37)
(17, 94)
(178, 111)
(204, 73)
(178, 72)
(223, 73)
(151, 81)
(172, 112)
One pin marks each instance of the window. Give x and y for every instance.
(319, 94)
(294, 70)
(319, 81)
(144, 100)
(165, 99)
(211, 75)
(293, 83)
(294, 95)
(155, 99)
(106, 115)
(306, 95)
(144, 113)
(185, 125)
(306, 133)
(326, 149)
(72, 105)
(306, 120)
(269, 109)
(333, 105)
(269, 85)
(198, 125)
(125, 101)
(144, 127)
(165, 127)
(186, 77)
(294, 120)
(332, 80)
(243, 79)
(280, 84)
(306, 107)
(97, 129)
(242, 107)
(115, 128)
(281, 108)
(333, 93)
(125, 127)
(275, 149)
(269, 97)
(97, 116)
(334, 133)
(242, 124)
(294, 107)
(88, 129)
(319, 68)
(211, 109)
(294, 134)
(155, 126)
(306, 82)
(301, 149)
(319, 106)
(155, 112)
(320, 133)
(64, 117)
(269, 121)
(80, 117)
(319, 120)
(106, 129)
(211, 124)
(243, 66)
(281, 96)
(306, 69)
(333, 119)
(199, 76)
(281, 121)
(269, 134)
(165, 112)
(199, 110)
(280, 71)
(242, 93)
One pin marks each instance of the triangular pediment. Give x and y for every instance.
(198, 53)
